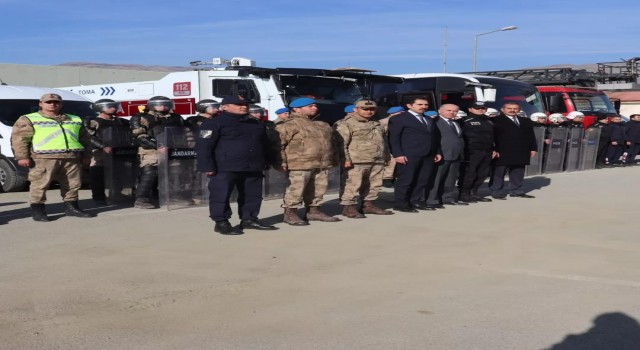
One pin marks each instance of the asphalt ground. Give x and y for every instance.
(560, 271)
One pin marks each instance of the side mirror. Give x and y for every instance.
(490, 94)
(555, 103)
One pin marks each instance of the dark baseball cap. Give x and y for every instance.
(479, 104)
(234, 100)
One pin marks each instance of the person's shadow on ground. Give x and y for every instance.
(55, 211)
(610, 331)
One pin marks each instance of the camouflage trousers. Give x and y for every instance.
(389, 170)
(148, 157)
(364, 180)
(306, 186)
(65, 171)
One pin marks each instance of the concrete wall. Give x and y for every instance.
(59, 76)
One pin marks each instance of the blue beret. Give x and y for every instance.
(395, 109)
(430, 113)
(349, 108)
(301, 102)
(282, 110)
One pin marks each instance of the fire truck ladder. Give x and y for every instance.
(547, 76)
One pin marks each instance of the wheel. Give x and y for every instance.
(9, 179)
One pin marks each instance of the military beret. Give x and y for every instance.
(282, 110)
(395, 109)
(301, 102)
(349, 108)
(430, 113)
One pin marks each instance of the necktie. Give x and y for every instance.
(515, 120)
(453, 126)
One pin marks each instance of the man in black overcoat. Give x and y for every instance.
(515, 144)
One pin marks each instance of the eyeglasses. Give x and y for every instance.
(52, 102)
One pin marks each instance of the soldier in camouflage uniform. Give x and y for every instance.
(96, 127)
(283, 115)
(52, 145)
(364, 155)
(307, 153)
(146, 127)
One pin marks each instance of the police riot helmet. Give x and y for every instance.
(104, 104)
(256, 109)
(575, 114)
(202, 105)
(537, 115)
(556, 118)
(156, 101)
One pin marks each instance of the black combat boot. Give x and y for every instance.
(72, 209)
(148, 175)
(97, 185)
(38, 213)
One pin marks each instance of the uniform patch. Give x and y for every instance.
(206, 134)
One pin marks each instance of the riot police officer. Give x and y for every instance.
(97, 127)
(146, 126)
(232, 151)
(206, 109)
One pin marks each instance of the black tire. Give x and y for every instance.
(9, 179)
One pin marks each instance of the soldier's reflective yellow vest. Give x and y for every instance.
(51, 136)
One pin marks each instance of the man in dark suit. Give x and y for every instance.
(232, 150)
(452, 146)
(415, 144)
(515, 144)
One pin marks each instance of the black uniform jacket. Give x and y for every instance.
(514, 143)
(632, 131)
(478, 134)
(231, 143)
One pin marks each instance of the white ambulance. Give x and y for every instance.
(16, 101)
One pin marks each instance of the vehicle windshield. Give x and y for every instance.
(526, 95)
(590, 103)
(331, 94)
(11, 110)
(324, 90)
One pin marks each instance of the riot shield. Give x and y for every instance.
(276, 182)
(121, 165)
(334, 180)
(554, 158)
(574, 149)
(590, 145)
(535, 164)
(179, 184)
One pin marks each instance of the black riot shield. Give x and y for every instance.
(275, 184)
(554, 158)
(535, 164)
(590, 148)
(574, 149)
(121, 165)
(179, 184)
